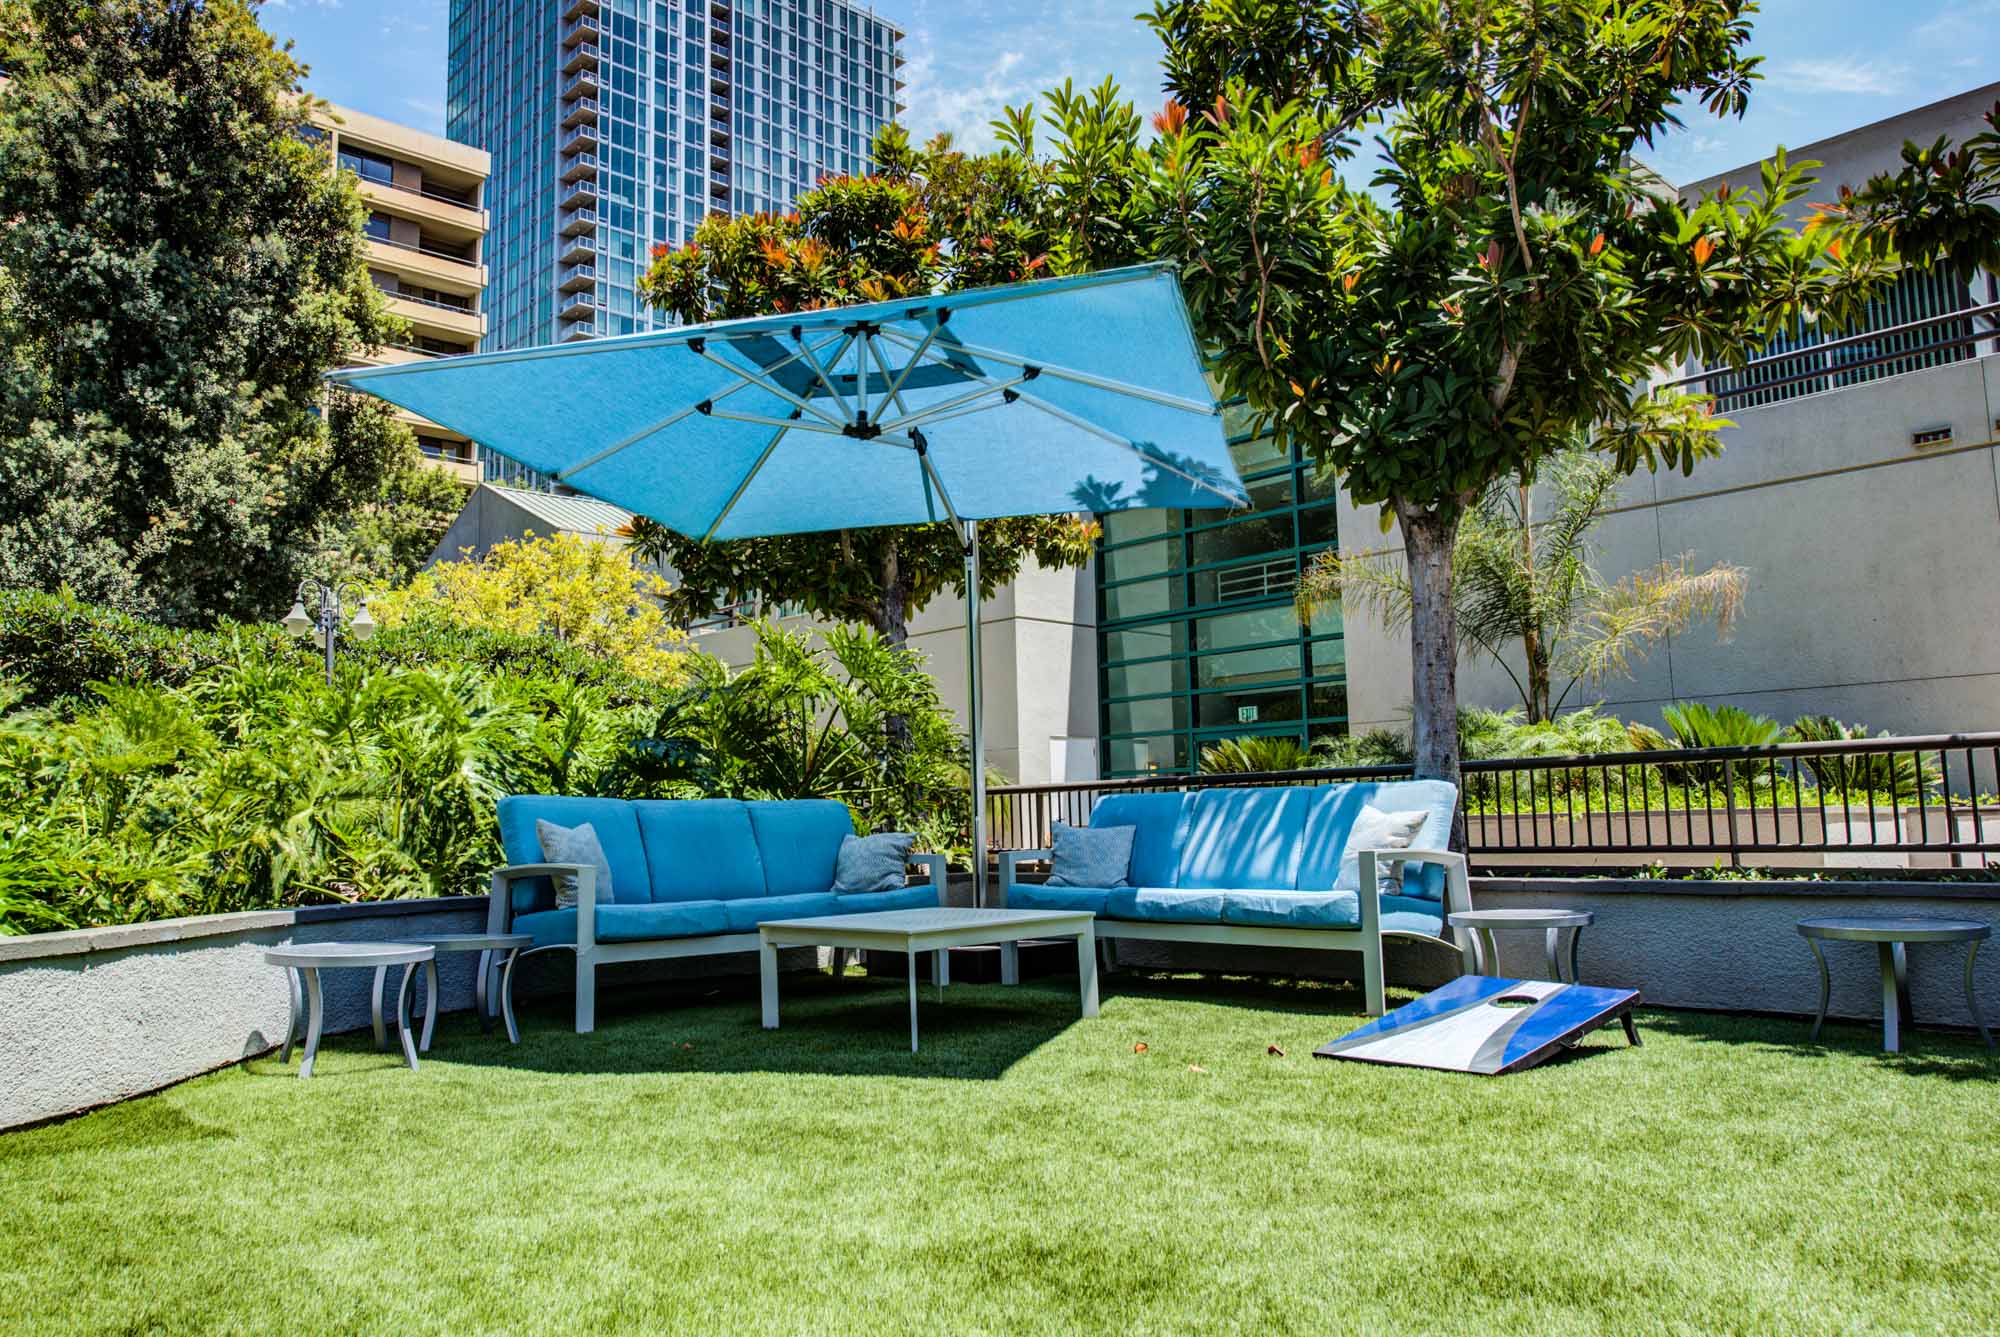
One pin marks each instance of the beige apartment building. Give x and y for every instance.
(426, 248)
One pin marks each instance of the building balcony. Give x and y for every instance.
(718, 87)
(447, 219)
(576, 306)
(583, 139)
(583, 111)
(582, 195)
(718, 36)
(719, 9)
(718, 136)
(436, 319)
(579, 30)
(431, 269)
(579, 222)
(718, 183)
(718, 159)
(577, 278)
(577, 168)
(582, 56)
(718, 111)
(582, 329)
(584, 85)
(579, 250)
(718, 59)
(577, 9)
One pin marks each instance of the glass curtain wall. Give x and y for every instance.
(1197, 636)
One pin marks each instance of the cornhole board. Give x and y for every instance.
(1481, 1024)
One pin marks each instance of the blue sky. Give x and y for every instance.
(1829, 65)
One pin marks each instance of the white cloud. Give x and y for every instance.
(1842, 75)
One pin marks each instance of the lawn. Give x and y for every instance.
(683, 1170)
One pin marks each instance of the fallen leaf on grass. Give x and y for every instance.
(1139, 1048)
(1196, 1067)
(1275, 1049)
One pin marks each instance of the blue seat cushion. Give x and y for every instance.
(1234, 839)
(1166, 905)
(617, 828)
(701, 849)
(1292, 909)
(628, 923)
(920, 897)
(745, 915)
(1025, 896)
(1156, 850)
(1412, 914)
(799, 842)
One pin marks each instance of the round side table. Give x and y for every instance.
(1889, 934)
(302, 966)
(506, 946)
(1481, 924)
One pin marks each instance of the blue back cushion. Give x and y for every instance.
(798, 841)
(1243, 838)
(1333, 819)
(617, 828)
(1156, 849)
(700, 849)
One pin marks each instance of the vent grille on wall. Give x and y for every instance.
(1931, 436)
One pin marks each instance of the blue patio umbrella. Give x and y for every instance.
(1070, 394)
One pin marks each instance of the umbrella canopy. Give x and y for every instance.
(1071, 394)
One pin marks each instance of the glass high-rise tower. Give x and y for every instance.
(616, 125)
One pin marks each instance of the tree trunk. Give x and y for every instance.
(1532, 648)
(1428, 536)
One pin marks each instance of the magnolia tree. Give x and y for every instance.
(930, 219)
(1514, 275)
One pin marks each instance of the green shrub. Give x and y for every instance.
(1244, 756)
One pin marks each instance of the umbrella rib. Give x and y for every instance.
(930, 470)
(1084, 424)
(663, 424)
(812, 361)
(764, 420)
(986, 387)
(772, 386)
(895, 390)
(748, 479)
(1208, 410)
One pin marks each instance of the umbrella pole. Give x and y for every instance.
(976, 705)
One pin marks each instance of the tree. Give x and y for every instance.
(388, 540)
(931, 219)
(579, 591)
(1516, 272)
(181, 266)
(1519, 582)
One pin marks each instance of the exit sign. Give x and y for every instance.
(1246, 714)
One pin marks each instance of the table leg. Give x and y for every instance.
(1490, 951)
(430, 1004)
(1478, 948)
(295, 1020)
(767, 971)
(403, 993)
(482, 1001)
(507, 997)
(315, 1016)
(1892, 998)
(1010, 963)
(1551, 942)
(1575, 937)
(1825, 989)
(1086, 969)
(1631, 1030)
(375, 1008)
(911, 958)
(1971, 999)
(941, 968)
(1901, 956)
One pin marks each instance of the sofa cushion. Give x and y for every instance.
(628, 923)
(880, 862)
(1383, 832)
(745, 915)
(1412, 914)
(576, 845)
(1437, 799)
(1332, 817)
(1156, 851)
(700, 849)
(1024, 896)
(1243, 838)
(1090, 856)
(613, 819)
(1168, 905)
(798, 841)
(1292, 909)
(921, 897)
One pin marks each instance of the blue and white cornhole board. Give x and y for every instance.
(1481, 1024)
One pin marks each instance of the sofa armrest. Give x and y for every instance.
(934, 869)
(1457, 879)
(1010, 859)
(500, 906)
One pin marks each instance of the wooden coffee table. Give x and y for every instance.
(914, 931)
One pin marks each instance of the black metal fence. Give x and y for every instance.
(1930, 801)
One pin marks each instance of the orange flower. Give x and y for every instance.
(1170, 119)
(1308, 154)
(1347, 283)
(1596, 245)
(1703, 248)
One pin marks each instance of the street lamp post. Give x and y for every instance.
(329, 598)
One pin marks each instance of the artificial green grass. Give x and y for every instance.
(682, 1170)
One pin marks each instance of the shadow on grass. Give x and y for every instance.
(1952, 1055)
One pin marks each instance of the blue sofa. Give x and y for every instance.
(1258, 867)
(689, 877)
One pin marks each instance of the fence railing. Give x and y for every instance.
(1788, 804)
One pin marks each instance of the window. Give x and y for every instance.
(368, 166)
